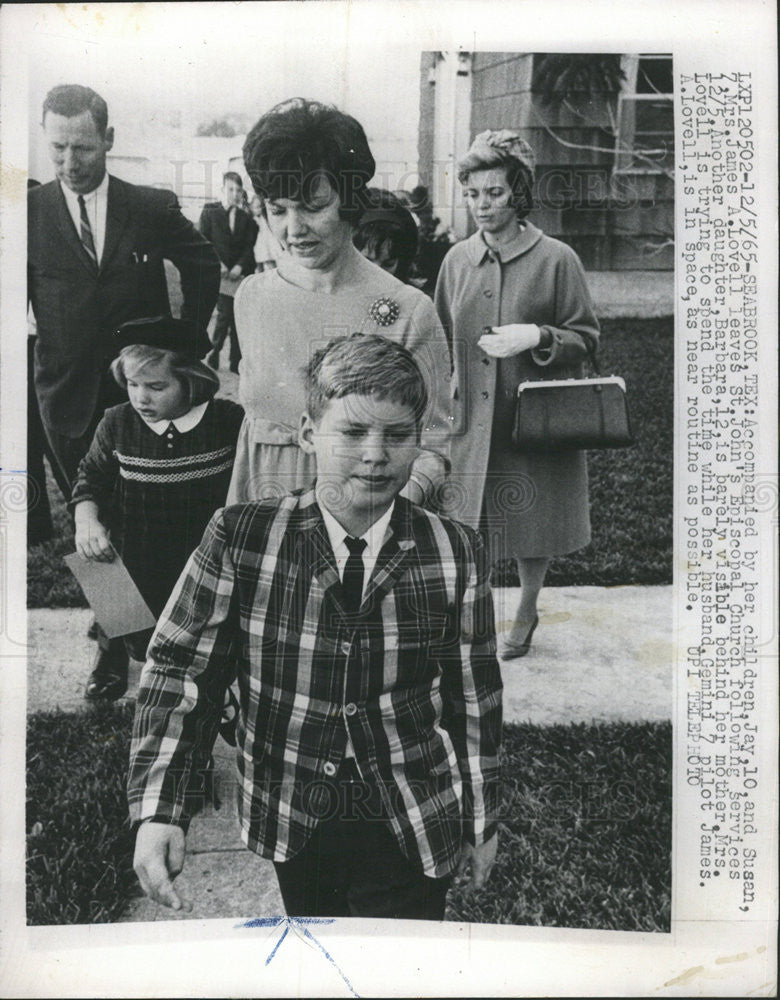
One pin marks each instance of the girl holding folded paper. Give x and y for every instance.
(516, 306)
(159, 465)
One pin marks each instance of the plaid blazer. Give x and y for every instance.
(413, 676)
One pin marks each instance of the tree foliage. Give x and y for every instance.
(557, 75)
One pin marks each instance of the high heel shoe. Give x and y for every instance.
(514, 650)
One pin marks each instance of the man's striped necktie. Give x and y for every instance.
(86, 232)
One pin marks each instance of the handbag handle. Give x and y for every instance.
(591, 349)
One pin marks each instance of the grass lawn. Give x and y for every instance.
(630, 489)
(585, 826)
(79, 846)
(586, 830)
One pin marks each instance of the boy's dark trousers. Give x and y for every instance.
(224, 326)
(352, 866)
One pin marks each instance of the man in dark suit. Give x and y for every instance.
(233, 233)
(96, 247)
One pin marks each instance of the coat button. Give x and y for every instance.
(329, 769)
(485, 394)
(487, 293)
(345, 648)
(486, 361)
(170, 445)
(350, 709)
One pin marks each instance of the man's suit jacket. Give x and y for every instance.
(78, 306)
(413, 675)
(236, 247)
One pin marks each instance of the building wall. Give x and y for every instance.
(621, 221)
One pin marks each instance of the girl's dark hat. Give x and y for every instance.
(165, 332)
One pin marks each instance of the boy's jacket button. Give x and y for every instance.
(329, 769)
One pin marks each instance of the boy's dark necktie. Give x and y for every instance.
(86, 232)
(353, 573)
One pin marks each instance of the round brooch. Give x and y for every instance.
(384, 312)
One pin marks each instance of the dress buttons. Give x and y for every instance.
(487, 293)
(350, 709)
(329, 769)
(345, 648)
(486, 361)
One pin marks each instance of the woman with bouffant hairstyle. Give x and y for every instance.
(516, 305)
(298, 142)
(311, 164)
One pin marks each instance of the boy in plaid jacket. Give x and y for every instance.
(360, 630)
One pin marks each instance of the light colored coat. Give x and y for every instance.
(536, 280)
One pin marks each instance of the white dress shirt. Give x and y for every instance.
(96, 204)
(375, 538)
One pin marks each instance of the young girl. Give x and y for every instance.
(158, 466)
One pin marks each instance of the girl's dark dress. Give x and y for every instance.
(156, 493)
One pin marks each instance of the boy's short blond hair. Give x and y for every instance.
(368, 365)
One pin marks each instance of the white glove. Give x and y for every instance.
(511, 339)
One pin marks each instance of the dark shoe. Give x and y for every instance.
(514, 650)
(108, 680)
(105, 686)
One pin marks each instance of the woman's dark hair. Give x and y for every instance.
(386, 225)
(297, 142)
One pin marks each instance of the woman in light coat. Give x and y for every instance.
(516, 307)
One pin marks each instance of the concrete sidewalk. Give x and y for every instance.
(599, 654)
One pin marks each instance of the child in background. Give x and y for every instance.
(267, 248)
(158, 466)
(387, 234)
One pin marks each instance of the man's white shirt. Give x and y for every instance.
(96, 204)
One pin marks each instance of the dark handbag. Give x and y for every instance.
(572, 413)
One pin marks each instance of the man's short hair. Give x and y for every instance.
(71, 99)
(231, 175)
(297, 142)
(366, 365)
